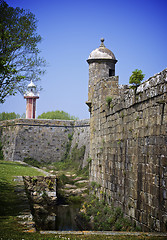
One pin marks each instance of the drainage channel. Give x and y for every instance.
(65, 217)
(62, 219)
(49, 212)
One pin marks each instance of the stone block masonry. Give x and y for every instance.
(128, 147)
(42, 140)
(127, 141)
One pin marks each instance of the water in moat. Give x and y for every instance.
(61, 219)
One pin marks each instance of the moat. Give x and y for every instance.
(63, 220)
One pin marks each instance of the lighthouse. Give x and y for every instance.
(31, 95)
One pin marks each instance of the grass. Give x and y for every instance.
(10, 169)
(8, 198)
(10, 207)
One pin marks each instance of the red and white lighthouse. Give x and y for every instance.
(31, 95)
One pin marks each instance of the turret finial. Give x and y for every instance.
(102, 42)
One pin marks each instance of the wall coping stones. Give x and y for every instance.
(153, 87)
(46, 123)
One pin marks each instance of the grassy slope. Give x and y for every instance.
(10, 208)
(9, 204)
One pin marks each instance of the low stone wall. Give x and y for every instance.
(42, 140)
(42, 195)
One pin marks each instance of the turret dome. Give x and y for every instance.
(102, 53)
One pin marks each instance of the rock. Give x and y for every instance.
(51, 194)
(75, 191)
(84, 195)
(37, 199)
(32, 230)
(69, 186)
(36, 206)
(68, 191)
(83, 181)
(40, 210)
(78, 178)
(68, 175)
(53, 199)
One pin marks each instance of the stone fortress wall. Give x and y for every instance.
(42, 140)
(127, 142)
(128, 147)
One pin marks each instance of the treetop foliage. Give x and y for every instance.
(57, 115)
(19, 60)
(12, 115)
(136, 78)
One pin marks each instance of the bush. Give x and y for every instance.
(136, 78)
(108, 99)
(32, 162)
(104, 216)
(9, 116)
(57, 115)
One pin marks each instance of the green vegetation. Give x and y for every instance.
(10, 207)
(109, 101)
(71, 160)
(77, 154)
(95, 185)
(50, 184)
(84, 171)
(19, 60)
(8, 199)
(136, 78)
(10, 169)
(12, 115)
(63, 179)
(32, 162)
(66, 156)
(122, 115)
(57, 115)
(102, 217)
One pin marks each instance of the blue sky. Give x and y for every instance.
(135, 30)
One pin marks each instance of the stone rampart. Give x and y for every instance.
(42, 140)
(128, 147)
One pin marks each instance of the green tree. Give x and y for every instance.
(12, 115)
(19, 54)
(57, 115)
(136, 78)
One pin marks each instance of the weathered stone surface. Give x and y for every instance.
(128, 147)
(128, 143)
(42, 140)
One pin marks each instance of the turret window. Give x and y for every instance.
(111, 73)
